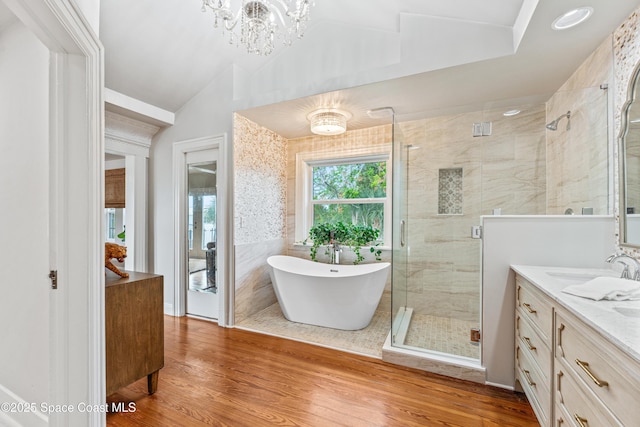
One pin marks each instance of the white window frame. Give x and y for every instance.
(305, 161)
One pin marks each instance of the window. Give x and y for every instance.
(354, 188)
(111, 224)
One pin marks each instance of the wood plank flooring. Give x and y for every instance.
(229, 377)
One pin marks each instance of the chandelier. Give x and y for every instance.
(328, 121)
(260, 22)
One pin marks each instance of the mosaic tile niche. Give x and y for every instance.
(450, 191)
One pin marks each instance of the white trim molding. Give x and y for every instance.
(124, 135)
(132, 139)
(180, 150)
(76, 201)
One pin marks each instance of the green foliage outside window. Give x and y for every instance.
(346, 218)
(346, 182)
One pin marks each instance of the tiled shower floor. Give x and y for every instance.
(434, 333)
(442, 334)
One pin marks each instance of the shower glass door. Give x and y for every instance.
(437, 192)
(400, 317)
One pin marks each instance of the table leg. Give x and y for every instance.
(152, 382)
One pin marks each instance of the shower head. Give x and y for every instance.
(554, 124)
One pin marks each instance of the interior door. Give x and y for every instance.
(202, 225)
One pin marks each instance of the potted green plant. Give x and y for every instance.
(351, 235)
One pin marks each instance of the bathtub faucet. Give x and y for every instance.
(334, 250)
(334, 253)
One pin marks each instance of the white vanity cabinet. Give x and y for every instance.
(596, 383)
(534, 329)
(572, 373)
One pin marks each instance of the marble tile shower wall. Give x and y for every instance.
(505, 170)
(260, 180)
(578, 159)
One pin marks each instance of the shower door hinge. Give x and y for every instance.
(476, 232)
(53, 275)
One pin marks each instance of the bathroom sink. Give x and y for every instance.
(628, 311)
(572, 277)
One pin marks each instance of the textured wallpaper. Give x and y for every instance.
(260, 162)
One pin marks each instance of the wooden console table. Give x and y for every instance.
(134, 330)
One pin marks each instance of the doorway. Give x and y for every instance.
(202, 268)
(201, 214)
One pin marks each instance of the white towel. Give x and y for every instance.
(607, 288)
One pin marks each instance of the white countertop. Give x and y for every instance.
(623, 331)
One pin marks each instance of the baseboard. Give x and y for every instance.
(18, 412)
(503, 386)
(168, 309)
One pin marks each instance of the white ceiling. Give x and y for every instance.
(420, 57)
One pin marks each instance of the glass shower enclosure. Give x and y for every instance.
(452, 169)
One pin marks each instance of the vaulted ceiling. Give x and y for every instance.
(417, 56)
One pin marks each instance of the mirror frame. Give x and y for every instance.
(622, 164)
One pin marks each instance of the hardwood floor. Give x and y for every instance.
(230, 377)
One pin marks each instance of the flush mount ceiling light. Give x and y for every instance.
(511, 113)
(328, 121)
(572, 18)
(260, 22)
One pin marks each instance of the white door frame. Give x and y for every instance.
(180, 150)
(77, 368)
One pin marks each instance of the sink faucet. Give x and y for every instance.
(620, 257)
(334, 250)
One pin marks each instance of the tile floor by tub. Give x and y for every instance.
(435, 333)
(367, 341)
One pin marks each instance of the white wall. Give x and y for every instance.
(24, 192)
(91, 11)
(566, 241)
(208, 113)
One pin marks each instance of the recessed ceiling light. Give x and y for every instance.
(511, 113)
(572, 18)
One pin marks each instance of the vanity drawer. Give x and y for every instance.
(535, 307)
(591, 359)
(535, 386)
(578, 407)
(531, 343)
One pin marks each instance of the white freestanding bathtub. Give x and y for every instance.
(334, 296)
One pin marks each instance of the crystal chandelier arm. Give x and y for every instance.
(222, 11)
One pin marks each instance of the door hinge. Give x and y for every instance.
(53, 275)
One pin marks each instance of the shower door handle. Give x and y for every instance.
(402, 228)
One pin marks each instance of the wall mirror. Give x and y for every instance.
(630, 165)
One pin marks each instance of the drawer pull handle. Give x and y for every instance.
(528, 307)
(582, 422)
(585, 368)
(529, 379)
(528, 342)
